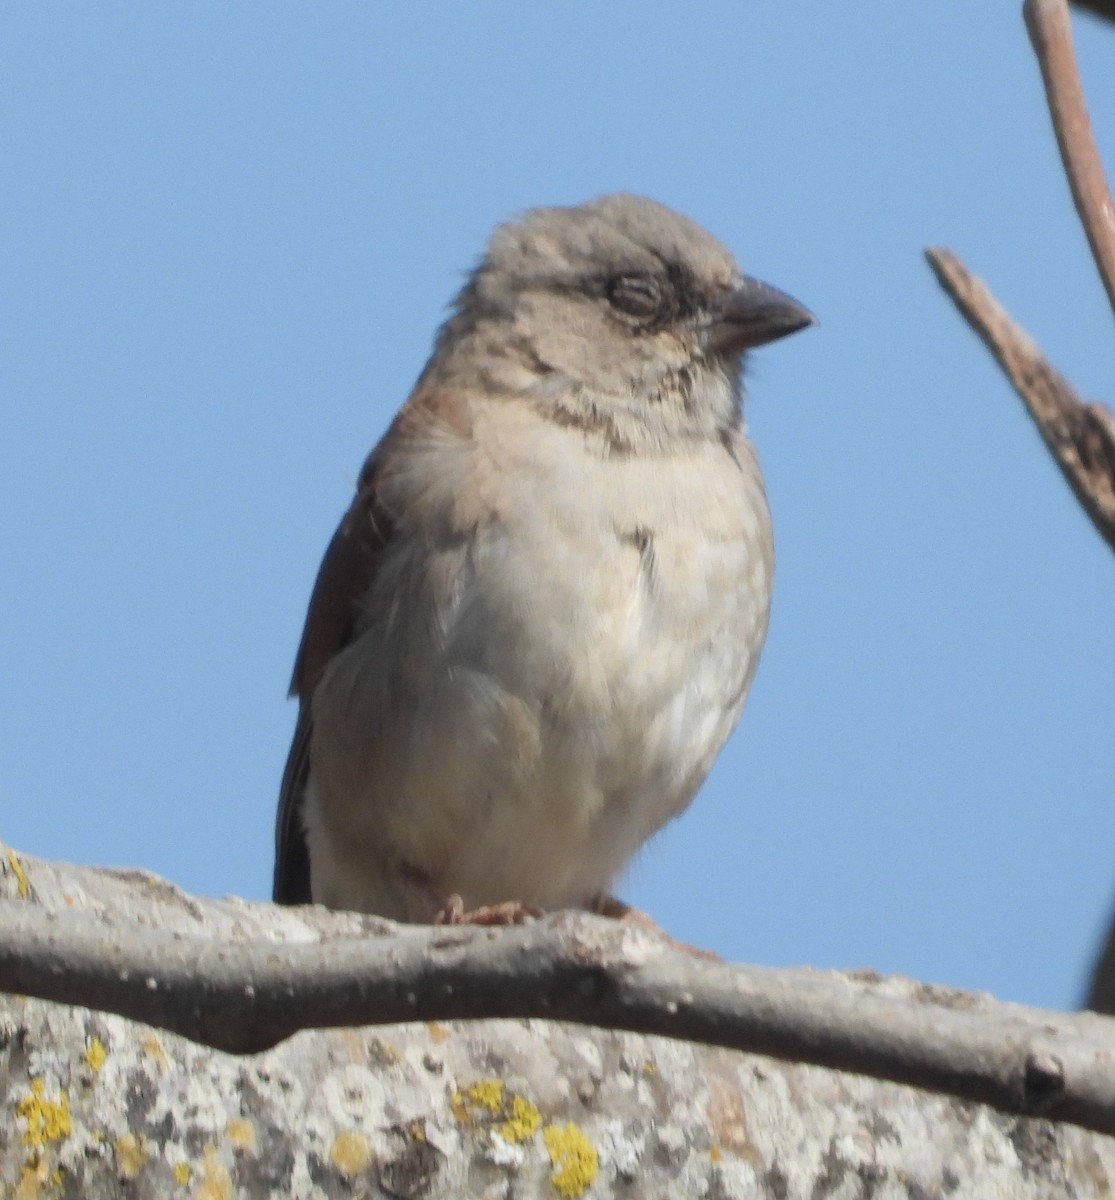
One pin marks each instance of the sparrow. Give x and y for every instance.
(538, 621)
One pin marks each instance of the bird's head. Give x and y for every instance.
(619, 306)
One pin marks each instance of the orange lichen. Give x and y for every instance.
(216, 1184)
(241, 1134)
(153, 1048)
(350, 1153)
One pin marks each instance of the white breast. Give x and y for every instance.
(549, 691)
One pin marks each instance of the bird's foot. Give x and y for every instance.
(511, 912)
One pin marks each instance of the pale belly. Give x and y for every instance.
(544, 700)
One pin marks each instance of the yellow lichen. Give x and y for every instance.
(387, 1051)
(182, 1174)
(20, 878)
(95, 1054)
(152, 1047)
(522, 1124)
(520, 1120)
(130, 1155)
(32, 1178)
(350, 1153)
(241, 1134)
(573, 1157)
(486, 1094)
(438, 1033)
(216, 1183)
(47, 1120)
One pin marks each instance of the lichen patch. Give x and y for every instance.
(523, 1123)
(21, 883)
(573, 1157)
(350, 1153)
(216, 1183)
(153, 1048)
(46, 1119)
(241, 1134)
(95, 1054)
(131, 1155)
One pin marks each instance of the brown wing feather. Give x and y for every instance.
(342, 580)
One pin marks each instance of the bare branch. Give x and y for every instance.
(1080, 436)
(1051, 35)
(568, 967)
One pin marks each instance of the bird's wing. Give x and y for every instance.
(342, 581)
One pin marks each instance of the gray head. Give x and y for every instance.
(620, 305)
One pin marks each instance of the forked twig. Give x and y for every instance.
(1080, 436)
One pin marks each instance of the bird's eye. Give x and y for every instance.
(636, 295)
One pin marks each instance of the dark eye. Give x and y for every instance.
(636, 295)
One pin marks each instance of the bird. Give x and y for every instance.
(537, 623)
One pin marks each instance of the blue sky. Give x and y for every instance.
(230, 232)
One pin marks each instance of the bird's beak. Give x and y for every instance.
(752, 315)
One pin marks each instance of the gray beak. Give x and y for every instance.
(754, 314)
